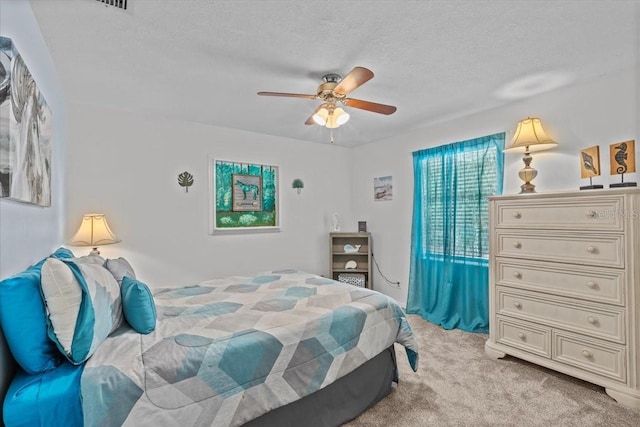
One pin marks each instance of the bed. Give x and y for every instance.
(267, 349)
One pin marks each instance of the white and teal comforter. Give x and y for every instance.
(228, 350)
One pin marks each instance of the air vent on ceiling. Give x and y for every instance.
(120, 4)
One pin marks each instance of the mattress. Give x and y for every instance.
(48, 399)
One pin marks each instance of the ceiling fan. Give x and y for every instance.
(333, 91)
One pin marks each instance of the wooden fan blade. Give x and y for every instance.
(370, 106)
(289, 95)
(356, 78)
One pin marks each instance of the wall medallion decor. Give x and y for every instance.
(590, 166)
(243, 197)
(25, 132)
(185, 179)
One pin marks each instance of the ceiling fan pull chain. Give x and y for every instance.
(331, 135)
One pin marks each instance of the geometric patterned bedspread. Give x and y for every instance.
(229, 350)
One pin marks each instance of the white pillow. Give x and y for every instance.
(119, 267)
(83, 305)
(63, 296)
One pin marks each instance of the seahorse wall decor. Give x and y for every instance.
(623, 157)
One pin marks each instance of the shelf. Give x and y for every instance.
(351, 270)
(338, 257)
(350, 253)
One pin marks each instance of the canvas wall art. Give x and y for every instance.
(383, 188)
(244, 196)
(25, 132)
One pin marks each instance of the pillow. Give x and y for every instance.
(119, 268)
(22, 314)
(138, 305)
(83, 305)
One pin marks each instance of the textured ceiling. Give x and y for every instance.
(204, 61)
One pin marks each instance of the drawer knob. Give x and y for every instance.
(517, 304)
(592, 320)
(591, 284)
(592, 249)
(592, 214)
(587, 354)
(522, 335)
(517, 245)
(517, 215)
(517, 275)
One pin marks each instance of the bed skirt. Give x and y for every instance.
(341, 401)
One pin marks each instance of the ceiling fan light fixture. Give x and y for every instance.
(335, 90)
(341, 116)
(320, 117)
(332, 123)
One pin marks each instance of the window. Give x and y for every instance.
(455, 186)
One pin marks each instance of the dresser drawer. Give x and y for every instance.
(593, 284)
(580, 213)
(594, 356)
(598, 321)
(588, 249)
(532, 338)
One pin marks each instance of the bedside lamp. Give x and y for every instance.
(94, 231)
(529, 136)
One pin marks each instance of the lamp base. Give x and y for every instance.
(623, 184)
(527, 174)
(591, 187)
(527, 187)
(94, 251)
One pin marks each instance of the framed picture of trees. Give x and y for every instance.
(243, 197)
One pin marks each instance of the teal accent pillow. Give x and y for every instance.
(22, 314)
(138, 305)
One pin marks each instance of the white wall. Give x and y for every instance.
(600, 112)
(126, 167)
(29, 233)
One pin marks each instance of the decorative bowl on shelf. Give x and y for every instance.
(351, 265)
(351, 248)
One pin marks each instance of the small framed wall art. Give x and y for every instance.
(383, 188)
(590, 166)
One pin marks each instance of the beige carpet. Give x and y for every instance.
(458, 385)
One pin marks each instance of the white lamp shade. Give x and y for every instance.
(320, 117)
(94, 231)
(329, 116)
(341, 116)
(530, 136)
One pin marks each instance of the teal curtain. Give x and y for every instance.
(449, 276)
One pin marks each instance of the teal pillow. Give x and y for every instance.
(22, 314)
(138, 305)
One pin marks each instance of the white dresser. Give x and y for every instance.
(565, 285)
